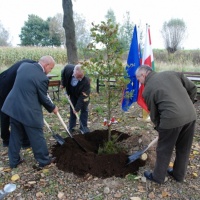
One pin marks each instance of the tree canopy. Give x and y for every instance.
(36, 32)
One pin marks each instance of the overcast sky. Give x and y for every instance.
(13, 13)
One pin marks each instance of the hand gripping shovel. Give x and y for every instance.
(72, 106)
(64, 125)
(57, 137)
(137, 155)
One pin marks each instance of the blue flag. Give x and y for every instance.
(130, 94)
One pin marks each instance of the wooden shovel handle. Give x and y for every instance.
(151, 144)
(63, 123)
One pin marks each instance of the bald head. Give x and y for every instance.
(47, 63)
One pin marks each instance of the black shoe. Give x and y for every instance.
(149, 176)
(19, 163)
(84, 130)
(5, 143)
(72, 131)
(39, 167)
(170, 173)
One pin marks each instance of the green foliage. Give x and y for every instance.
(110, 146)
(126, 32)
(107, 62)
(36, 32)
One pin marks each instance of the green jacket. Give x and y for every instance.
(169, 96)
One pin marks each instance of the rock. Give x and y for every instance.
(106, 190)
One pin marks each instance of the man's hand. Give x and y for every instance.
(76, 113)
(55, 110)
(61, 86)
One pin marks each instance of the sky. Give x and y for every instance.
(13, 14)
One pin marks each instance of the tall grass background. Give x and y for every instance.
(183, 60)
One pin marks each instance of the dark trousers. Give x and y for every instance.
(37, 140)
(5, 123)
(83, 114)
(181, 138)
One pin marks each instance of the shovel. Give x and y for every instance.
(137, 155)
(64, 125)
(57, 137)
(72, 106)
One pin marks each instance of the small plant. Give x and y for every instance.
(110, 146)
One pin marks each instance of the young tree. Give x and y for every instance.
(173, 33)
(4, 36)
(107, 63)
(69, 26)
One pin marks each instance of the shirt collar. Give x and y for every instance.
(42, 67)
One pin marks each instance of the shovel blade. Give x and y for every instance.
(134, 157)
(59, 139)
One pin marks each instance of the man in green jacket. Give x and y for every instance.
(169, 96)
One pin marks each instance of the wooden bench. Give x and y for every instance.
(54, 88)
(195, 77)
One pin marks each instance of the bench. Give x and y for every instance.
(54, 88)
(195, 77)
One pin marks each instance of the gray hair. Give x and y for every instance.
(143, 69)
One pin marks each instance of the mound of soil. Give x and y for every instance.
(71, 158)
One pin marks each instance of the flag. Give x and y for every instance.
(130, 94)
(147, 59)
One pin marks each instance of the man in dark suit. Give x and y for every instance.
(78, 88)
(23, 105)
(7, 79)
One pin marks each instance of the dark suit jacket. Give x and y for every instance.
(7, 79)
(29, 92)
(81, 91)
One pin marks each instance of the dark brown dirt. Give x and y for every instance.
(71, 158)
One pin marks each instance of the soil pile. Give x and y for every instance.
(71, 158)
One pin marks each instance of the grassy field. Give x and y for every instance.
(179, 61)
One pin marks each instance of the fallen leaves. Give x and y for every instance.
(15, 177)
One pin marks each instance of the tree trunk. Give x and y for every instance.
(69, 26)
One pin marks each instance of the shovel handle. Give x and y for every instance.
(47, 125)
(63, 123)
(71, 105)
(151, 144)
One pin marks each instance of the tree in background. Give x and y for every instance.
(111, 16)
(69, 26)
(36, 32)
(82, 33)
(56, 29)
(173, 33)
(125, 32)
(4, 36)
